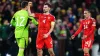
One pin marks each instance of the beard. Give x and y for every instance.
(45, 11)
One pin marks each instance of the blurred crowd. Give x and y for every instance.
(68, 13)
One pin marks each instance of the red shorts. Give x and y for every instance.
(87, 43)
(44, 42)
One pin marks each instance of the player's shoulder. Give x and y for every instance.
(40, 14)
(81, 20)
(18, 11)
(22, 12)
(52, 16)
(93, 19)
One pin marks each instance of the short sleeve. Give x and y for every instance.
(53, 19)
(80, 21)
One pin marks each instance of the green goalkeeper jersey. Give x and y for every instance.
(20, 21)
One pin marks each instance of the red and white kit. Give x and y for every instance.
(43, 28)
(88, 26)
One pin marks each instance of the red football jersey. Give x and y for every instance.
(88, 27)
(44, 22)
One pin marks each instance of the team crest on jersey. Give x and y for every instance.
(94, 24)
(48, 17)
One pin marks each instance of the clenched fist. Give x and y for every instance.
(30, 4)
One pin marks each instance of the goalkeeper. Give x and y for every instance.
(20, 22)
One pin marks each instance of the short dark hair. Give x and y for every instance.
(49, 5)
(24, 4)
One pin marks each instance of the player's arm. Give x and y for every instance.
(12, 22)
(52, 27)
(33, 14)
(33, 20)
(78, 31)
(92, 28)
(30, 13)
(29, 10)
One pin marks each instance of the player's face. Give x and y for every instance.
(86, 14)
(46, 8)
(30, 4)
(27, 7)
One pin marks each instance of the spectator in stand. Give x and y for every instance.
(5, 31)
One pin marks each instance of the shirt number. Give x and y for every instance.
(88, 43)
(86, 25)
(44, 21)
(20, 21)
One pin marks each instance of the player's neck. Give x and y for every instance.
(88, 17)
(47, 13)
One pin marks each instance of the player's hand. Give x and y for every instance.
(84, 36)
(30, 4)
(45, 35)
(72, 37)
